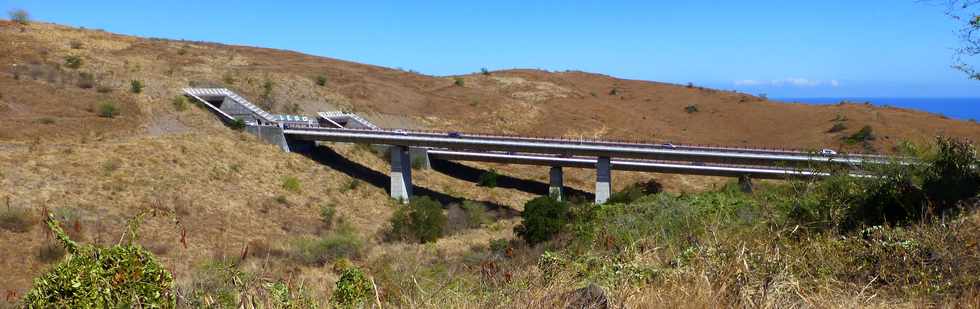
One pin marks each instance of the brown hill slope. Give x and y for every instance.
(515, 101)
(58, 154)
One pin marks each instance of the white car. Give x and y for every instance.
(669, 146)
(402, 132)
(828, 152)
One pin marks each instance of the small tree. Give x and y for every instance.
(20, 16)
(459, 82)
(484, 71)
(488, 179)
(542, 219)
(421, 220)
(136, 86)
(321, 80)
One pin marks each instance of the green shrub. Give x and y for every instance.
(180, 103)
(459, 82)
(838, 127)
(690, 109)
(484, 71)
(108, 109)
(327, 214)
(476, 214)
(291, 184)
(953, 174)
(124, 275)
(353, 289)
(343, 243)
(136, 86)
(237, 124)
(320, 80)
(73, 62)
(542, 219)
(15, 220)
(20, 16)
(421, 220)
(488, 179)
(866, 134)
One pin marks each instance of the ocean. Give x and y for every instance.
(957, 108)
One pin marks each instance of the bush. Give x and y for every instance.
(15, 220)
(690, 109)
(353, 289)
(488, 179)
(103, 89)
(320, 80)
(838, 126)
(85, 80)
(291, 184)
(237, 124)
(864, 135)
(124, 275)
(75, 44)
(459, 82)
(484, 71)
(136, 86)
(107, 109)
(542, 219)
(73, 62)
(20, 16)
(327, 213)
(180, 103)
(953, 174)
(421, 220)
(320, 251)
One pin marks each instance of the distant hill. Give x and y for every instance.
(514, 101)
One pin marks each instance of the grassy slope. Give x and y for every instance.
(58, 154)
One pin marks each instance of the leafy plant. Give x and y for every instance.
(459, 82)
(320, 80)
(866, 134)
(108, 109)
(690, 109)
(136, 86)
(343, 243)
(421, 220)
(488, 179)
(123, 275)
(73, 62)
(353, 289)
(327, 214)
(542, 219)
(237, 124)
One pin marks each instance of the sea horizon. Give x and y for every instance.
(960, 108)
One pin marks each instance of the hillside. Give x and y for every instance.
(225, 191)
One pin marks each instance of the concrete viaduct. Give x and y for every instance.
(292, 133)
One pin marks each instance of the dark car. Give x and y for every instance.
(454, 134)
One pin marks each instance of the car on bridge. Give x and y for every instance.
(669, 146)
(454, 134)
(828, 152)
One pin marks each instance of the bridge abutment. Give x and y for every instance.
(401, 174)
(556, 183)
(603, 182)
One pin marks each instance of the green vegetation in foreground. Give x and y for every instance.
(908, 237)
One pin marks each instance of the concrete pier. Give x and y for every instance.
(557, 183)
(401, 174)
(603, 180)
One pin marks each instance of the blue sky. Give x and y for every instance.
(897, 48)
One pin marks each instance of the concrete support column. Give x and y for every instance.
(401, 174)
(603, 180)
(557, 183)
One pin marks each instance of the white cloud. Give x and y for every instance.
(792, 81)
